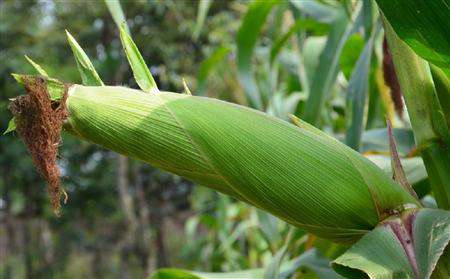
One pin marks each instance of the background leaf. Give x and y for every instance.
(327, 69)
(208, 65)
(203, 7)
(357, 95)
(246, 41)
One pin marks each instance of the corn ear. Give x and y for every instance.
(299, 174)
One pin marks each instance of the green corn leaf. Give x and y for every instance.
(203, 7)
(301, 175)
(246, 42)
(357, 96)
(328, 67)
(117, 14)
(36, 66)
(89, 75)
(18, 78)
(209, 64)
(442, 85)
(174, 273)
(11, 127)
(423, 25)
(141, 72)
(350, 54)
(312, 49)
(311, 263)
(380, 253)
(307, 24)
(316, 10)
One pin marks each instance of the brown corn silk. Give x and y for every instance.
(39, 122)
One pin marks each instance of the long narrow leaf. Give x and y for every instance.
(299, 24)
(209, 64)
(246, 41)
(423, 25)
(117, 14)
(442, 85)
(89, 75)
(311, 260)
(141, 72)
(37, 67)
(203, 7)
(327, 69)
(357, 96)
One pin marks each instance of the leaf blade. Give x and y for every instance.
(246, 42)
(141, 72)
(426, 34)
(36, 66)
(89, 75)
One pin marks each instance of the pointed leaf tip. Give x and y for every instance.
(141, 72)
(36, 66)
(18, 78)
(397, 169)
(89, 75)
(186, 88)
(11, 127)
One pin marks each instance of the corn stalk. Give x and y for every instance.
(426, 114)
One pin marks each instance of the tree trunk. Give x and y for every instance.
(126, 201)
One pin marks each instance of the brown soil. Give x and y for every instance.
(39, 121)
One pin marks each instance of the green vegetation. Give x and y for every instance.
(336, 193)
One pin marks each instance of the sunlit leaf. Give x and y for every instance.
(89, 75)
(300, 175)
(37, 67)
(11, 127)
(117, 14)
(141, 72)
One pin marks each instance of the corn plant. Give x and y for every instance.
(292, 170)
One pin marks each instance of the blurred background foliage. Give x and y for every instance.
(320, 60)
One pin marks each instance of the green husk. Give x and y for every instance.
(301, 175)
